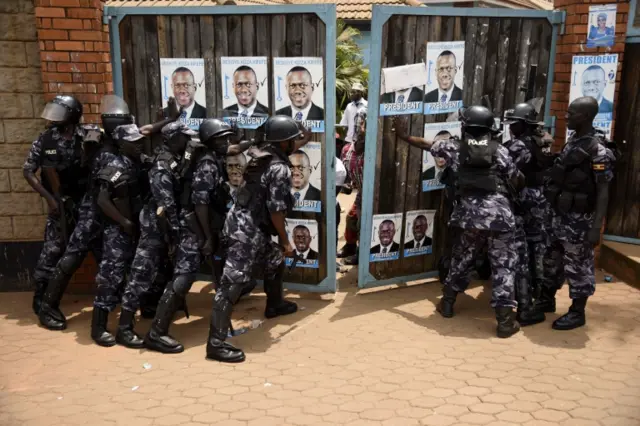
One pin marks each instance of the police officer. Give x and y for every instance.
(531, 155)
(57, 151)
(484, 215)
(578, 192)
(258, 213)
(159, 234)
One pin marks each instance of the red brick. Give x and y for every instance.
(45, 23)
(85, 35)
(92, 118)
(83, 13)
(88, 78)
(109, 87)
(67, 24)
(65, 3)
(71, 87)
(52, 35)
(51, 66)
(56, 77)
(89, 98)
(95, 25)
(91, 67)
(49, 45)
(623, 7)
(86, 57)
(70, 45)
(563, 77)
(49, 12)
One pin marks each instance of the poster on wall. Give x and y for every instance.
(245, 96)
(432, 168)
(602, 25)
(235, 166)
(385, 237)
(303, 236)
(183, 78)
(595, 76)
(298, 85)
(445, 65)
(402, 89)
(418, 237)
(306, 178)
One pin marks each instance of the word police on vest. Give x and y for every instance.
(478, 143)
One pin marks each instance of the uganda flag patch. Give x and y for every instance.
(599, 167)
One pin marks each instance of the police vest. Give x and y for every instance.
(193, 154)
(537, 169)
(476, 174)
(169, 161)
(126, 189)
(73, 176)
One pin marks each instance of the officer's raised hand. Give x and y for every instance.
(287, 249)
(174, 111)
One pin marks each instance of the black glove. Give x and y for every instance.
(593, 236)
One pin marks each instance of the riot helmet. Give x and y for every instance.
(63, 110)
(281, 128)
(523, 113)
(114, 112)
(91, 140)
(176, 135)
(215, 134)
(477, 118)
(129, 140)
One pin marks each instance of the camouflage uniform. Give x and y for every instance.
(571, 252)
(151, 254)
(486, 219)
(66, 158)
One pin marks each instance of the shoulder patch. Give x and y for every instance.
(599, 167)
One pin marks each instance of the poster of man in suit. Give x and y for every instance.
(306, 178)
(235, 166)
(418, 238)
(298, 85)
(385, 237)
(245, 96)
(402, 89)
(432, 168)
(445, 69)
(183, 78)
(303, 236)
(595, 76)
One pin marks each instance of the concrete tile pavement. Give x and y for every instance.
(378, 357)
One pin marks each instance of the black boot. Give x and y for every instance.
(149, 303)
(276, 305)
(158, 339)
(38, 295)
(49, 314)
(547, 300)
(217, 348)
(526, 314)
(99, 332)
(347, 250)
(507, 324)
(445, 307)
(125, 335)
(574, 318)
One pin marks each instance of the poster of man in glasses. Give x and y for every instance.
(298, 85)
(306, 178)
(183, 78)
(244, 90)
(445, 65)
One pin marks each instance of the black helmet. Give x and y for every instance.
(63, 109)
(478, 117)
(114, 112)
(91, 134)
(522, 112)
(214, 128)
(281, 128)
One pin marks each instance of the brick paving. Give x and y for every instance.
(379, 357)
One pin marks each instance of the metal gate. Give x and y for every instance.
(144, 38)
(508, 57)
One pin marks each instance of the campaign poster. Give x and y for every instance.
(298, 85)
(602, 25)
(303, 236)
(183, 78)
(385, 237)
(445, 69)
(402, 89)
(595, 76)
(245, 95)
(418, 236)
(235, 166)
(306, 178)
(432, 168)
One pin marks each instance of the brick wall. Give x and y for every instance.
(21, 101)
(573, 42)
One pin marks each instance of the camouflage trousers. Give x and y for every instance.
(117, 252)
(242, 256)
(188, 255)
(148, 273)
(52, 250)
(522, 249)
(537, 225)
(575, 262)
(502, 256)
(87, 234)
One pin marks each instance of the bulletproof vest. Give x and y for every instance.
(573, 185)
(192, 155)
(126, 191)
(173, 165)
(476, 174)
(537, 169)
(73, 176)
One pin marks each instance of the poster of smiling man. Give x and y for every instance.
(418, 238)
(303, 236)
(245, 97)
(306, 178)
(432, 168)
(445, 65)
(183, 78)
(298, 85)
(385, 237)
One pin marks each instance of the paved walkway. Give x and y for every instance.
(381, 358)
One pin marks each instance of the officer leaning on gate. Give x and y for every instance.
(578, 192)
(258, 213)
(58, 152)
(484, 213)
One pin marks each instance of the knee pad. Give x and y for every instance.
(232, 292)
(70, 263)
(182, 284)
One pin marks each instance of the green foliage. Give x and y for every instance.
(349, 65)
